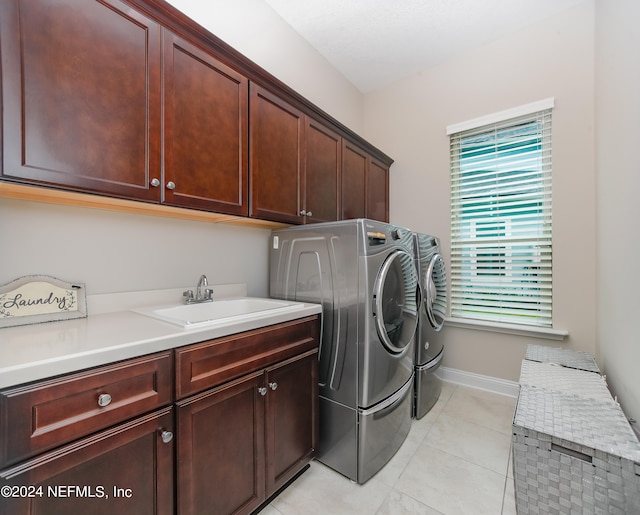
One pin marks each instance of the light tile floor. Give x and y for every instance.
(456, 460)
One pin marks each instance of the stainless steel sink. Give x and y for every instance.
(218, 312)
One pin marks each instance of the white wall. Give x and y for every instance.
(618, 181)
(118, 252)
(554, 58)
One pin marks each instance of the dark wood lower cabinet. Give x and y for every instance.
(241, 442)
(291, 418)
(221, 449)
(125, 470)
(244, 408)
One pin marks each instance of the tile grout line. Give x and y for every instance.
(506, 480)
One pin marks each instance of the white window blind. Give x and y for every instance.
(501, 254)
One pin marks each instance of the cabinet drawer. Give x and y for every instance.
(214, 362)
(46, 414)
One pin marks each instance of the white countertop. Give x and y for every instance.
(112, 333)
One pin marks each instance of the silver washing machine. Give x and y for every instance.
(432, 278)
(363, 274)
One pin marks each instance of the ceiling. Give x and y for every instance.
(376, 42)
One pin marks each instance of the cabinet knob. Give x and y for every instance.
(104, 399)
(166, 436)
(273, 385)
(155, 182)
(303, 212)
(309, 213)
(171, 185)
(262, 391)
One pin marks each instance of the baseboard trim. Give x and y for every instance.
(479, 381)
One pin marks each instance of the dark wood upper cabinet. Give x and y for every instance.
(354, 173)
(132, 99)
(377, 186)
(81, 96)
(276, 150)
(205, 130)
(322, 173)
(365, 185)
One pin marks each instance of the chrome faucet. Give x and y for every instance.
(203, 294)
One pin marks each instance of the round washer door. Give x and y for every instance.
(396, 301)
(434, 287)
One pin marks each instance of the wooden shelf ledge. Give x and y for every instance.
(69, 198)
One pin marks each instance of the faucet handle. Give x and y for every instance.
(208, 293)
(188, 294)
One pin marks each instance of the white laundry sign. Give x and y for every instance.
(33, 299)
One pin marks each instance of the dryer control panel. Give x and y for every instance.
(376, 238)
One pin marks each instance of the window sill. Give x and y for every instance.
(497, 327)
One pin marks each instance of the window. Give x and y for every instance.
(501, 252)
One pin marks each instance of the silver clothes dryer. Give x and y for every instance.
(363, 274)
(432, 278)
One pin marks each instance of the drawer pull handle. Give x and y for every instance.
(262, 391)
(273, 385)
(104, 400)
(166, 436)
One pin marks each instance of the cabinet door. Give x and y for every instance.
(125, 470)
(205, 130)
(81, 96)
(221, 449)
(354, 174)
(378, 191)
(322, 173)
(292, 418)
(276, 138)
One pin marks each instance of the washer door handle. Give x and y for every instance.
(403, 326)
(435, 297)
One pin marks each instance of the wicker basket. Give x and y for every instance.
(573, 454)
(561, 379)
(574, 451)
(566, 357)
